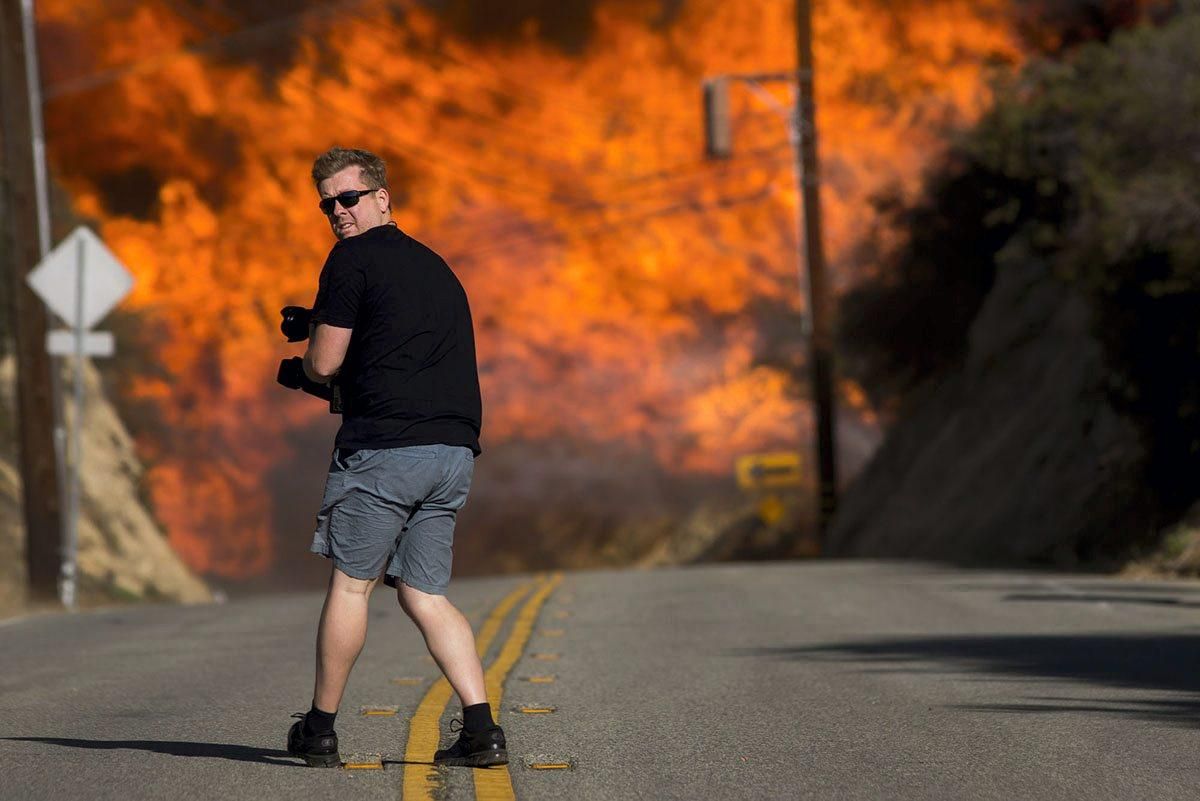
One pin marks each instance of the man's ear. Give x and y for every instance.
(385, 202)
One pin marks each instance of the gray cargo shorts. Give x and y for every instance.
(394, 507)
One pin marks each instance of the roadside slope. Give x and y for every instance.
(1019, 456)
(123, 553)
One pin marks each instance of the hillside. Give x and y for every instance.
(123, 553)
(1038, 339)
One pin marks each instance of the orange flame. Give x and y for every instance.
(614, 275)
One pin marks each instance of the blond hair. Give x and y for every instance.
(336, 159)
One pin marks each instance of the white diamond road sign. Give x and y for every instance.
(105, 280)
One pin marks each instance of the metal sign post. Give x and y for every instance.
(71, 546)
(81, 281)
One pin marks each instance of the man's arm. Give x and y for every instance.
(326, 351)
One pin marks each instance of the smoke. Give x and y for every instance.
(1052, 26)
(568, 26)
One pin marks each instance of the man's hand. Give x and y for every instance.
(291, 375)
(295, 323)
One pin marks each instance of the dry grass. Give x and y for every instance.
(1177, 554)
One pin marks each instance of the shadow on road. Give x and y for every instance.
(1107, 598)
(1164, 664)
(238, 753)
(1078, 589)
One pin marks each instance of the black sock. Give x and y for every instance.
(318, 722)
(477, 717)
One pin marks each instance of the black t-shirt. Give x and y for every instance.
(409, 376)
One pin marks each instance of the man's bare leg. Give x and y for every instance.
(340, 636)
(450, 641)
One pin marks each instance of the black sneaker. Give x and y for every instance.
(475, 749)
(319, 751)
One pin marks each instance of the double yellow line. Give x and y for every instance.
(420, 777)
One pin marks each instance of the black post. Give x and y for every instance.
(820, 311)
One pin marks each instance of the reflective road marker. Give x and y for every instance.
(549, 762)
(378, 711)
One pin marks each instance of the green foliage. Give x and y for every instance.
(1114, 131)
(1117, 127)
(1089, 164)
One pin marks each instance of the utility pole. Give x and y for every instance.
(802, 128)
(821, 306)
(24, 236)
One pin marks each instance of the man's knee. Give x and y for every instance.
(341, 583)
(416, 603)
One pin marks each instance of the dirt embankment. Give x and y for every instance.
(1018, 456)
(123, 553)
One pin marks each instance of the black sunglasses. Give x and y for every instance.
(348, 199)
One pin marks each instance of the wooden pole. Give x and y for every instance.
(820, 301)
(19, 253)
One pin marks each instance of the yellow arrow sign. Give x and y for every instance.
(758, 471)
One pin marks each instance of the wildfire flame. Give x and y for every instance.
(618, 281)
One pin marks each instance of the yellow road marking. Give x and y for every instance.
(423, 734)
(375, 763)
(536, 710)
(496, 784)
(408, 681)
(544, 657)
(378, 711)
(550, 765)
(540, 679)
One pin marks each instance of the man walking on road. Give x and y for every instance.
(391, 330)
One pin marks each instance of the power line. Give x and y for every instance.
(517, 188)
(589, 233)
(502, 227)
(438, 159)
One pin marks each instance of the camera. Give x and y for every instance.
(295, 323)
(291, 375)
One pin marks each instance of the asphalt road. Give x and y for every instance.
(828, 680)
